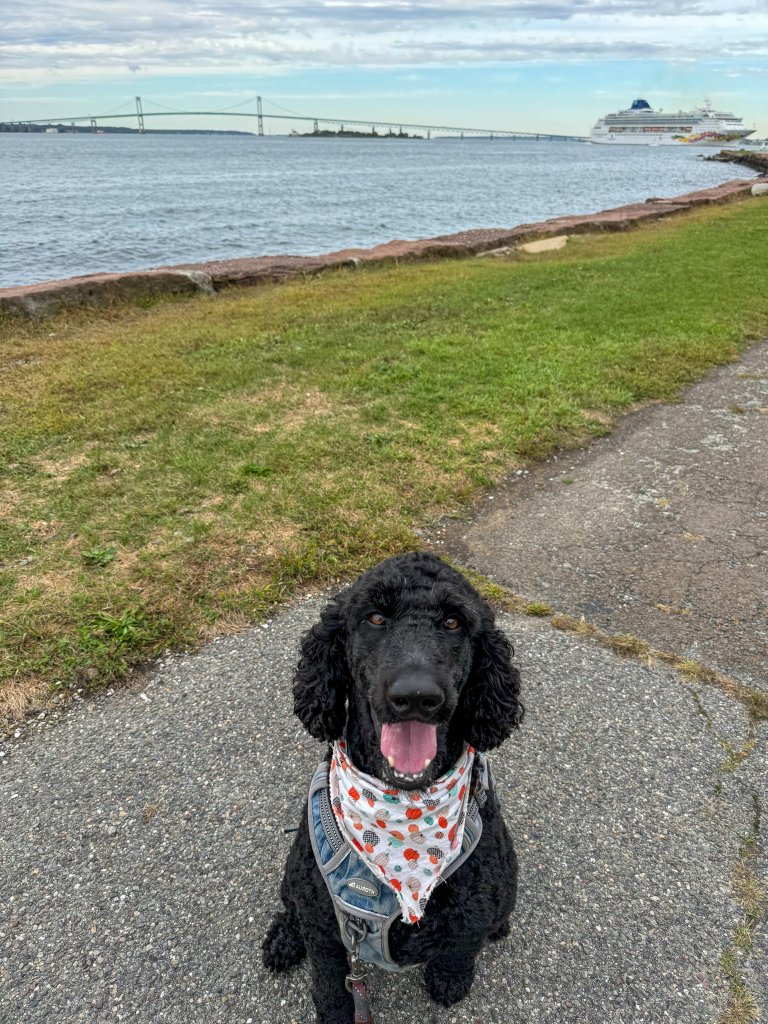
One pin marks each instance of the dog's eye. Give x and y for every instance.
(376, 619)
(451, 622)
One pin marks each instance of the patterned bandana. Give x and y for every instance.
(408, 836)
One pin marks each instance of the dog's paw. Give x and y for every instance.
(447, 985)
(283, 946)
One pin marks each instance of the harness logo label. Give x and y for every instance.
(363, 887)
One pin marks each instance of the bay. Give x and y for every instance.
(81, 204)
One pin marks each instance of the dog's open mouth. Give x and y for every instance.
(408, 748)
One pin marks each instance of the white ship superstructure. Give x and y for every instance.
(642, 126)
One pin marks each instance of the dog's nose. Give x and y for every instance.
(415, 695)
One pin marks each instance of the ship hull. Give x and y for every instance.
(662, 140)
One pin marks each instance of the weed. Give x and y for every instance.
(99, 557)
(670, 610)
(538, 610)
(629, 646)
(568, 624)
(742, 1007)
(108, 642)
(735, 757)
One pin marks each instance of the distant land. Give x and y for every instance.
(79, 129)
(348, 133)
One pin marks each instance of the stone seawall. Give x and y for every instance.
(106, 289)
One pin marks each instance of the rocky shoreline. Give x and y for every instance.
(755, 160)
(43, 299)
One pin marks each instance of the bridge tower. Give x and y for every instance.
(94, 126)
(140, 115)
(260, 115)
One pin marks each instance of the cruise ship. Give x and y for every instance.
(642, 126)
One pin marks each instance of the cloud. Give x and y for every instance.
(86, 39)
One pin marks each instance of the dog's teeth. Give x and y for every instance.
(428, 762)
(391, 762)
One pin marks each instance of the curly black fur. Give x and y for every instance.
(340, 687)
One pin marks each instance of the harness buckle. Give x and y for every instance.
(356, 930)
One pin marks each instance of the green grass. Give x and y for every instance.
(171, 472)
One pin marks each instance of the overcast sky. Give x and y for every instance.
(517, 64)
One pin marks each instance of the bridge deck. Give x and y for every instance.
(341, 121)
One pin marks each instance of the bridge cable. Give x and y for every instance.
(285, 110)
(115, 109)
(219, 110)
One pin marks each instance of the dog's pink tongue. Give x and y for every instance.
(409, 744)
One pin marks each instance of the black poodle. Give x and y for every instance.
(410, 641)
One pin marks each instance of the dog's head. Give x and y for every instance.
(408, 660)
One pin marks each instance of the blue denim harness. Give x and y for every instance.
(365, 906)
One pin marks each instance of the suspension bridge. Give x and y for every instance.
(139, 115)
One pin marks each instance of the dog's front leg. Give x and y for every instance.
(449, 976)
(328, 960)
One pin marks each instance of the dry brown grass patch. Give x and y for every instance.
(58, 586)
(20, 697)
(273, 539)
(597, 416)
(61, 469)
(11, 502)
(313, 405)
(45, 529)
(291, 408)
(228, 624)
(568, 624)
(484, 431)
(208, 510)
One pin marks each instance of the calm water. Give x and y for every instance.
(78, 204)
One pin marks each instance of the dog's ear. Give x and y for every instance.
(490, 701)
(321, 680)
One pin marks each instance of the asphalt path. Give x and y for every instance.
(659, 529)
(142, 843)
